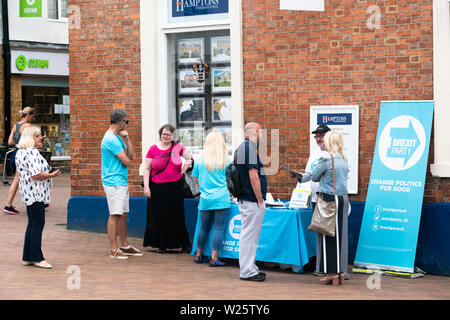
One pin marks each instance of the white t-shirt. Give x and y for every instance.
(314, 157)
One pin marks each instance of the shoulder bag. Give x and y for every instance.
(190, 188)
(324, 216)
(168, 160)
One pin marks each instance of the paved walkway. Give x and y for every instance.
(171, 276)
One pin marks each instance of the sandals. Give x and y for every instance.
(198, 259)
(216, 263)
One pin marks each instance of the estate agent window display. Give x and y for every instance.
(203, 86)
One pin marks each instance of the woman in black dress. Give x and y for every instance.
(163, 170)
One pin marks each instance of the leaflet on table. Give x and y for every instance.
(301, 196)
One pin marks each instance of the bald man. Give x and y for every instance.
(251, 202)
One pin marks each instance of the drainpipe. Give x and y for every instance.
(6, 71)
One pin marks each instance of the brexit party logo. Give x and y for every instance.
(234, 227)
(402, 143)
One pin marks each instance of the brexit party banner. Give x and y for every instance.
(390, 225)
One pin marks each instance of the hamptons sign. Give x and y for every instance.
(182, 8)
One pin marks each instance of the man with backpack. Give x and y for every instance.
(251, 201)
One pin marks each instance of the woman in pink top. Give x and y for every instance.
(163, 170)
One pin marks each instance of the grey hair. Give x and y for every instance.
(117, 115)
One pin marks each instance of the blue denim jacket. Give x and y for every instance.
(323, 173)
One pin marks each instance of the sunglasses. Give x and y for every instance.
(126, 121)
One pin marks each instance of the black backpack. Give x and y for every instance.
(235, 187)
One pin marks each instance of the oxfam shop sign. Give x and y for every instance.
(22, 63)
(30, 9)
(39, 63)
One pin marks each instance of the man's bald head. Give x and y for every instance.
(251, 131)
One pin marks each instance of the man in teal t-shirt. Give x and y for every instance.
(117, 154)
(114, 172)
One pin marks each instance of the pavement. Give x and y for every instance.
(82, 270)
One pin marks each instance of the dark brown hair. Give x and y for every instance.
(169, 127)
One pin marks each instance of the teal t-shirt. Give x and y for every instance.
(114, 173)
(213, 187)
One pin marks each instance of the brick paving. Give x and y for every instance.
(171, 276)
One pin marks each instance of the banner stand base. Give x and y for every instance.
(417, 274)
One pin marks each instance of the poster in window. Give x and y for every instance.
(190, 50)
(192, 139)
(221, 109)
(187, 82)
(220, 49)
(228, 136)
(221, 79)
(191, 109)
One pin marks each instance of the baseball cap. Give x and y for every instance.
(321, 129)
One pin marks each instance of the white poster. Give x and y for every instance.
(345, 119)
(305, 5)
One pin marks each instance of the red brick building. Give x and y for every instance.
(282, 62)
(291, 60)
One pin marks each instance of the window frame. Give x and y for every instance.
(60, 18)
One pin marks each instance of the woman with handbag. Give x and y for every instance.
(215, 199)
(331, 172)
(163, 186)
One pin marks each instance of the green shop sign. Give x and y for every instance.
(22, 63)
(30, 9)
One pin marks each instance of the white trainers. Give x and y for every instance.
(118, 254)
(43, 264)
(28, 263)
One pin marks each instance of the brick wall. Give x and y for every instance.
(292, 60)
(296, 59)
(104, 74)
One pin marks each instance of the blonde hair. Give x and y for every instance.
(334, 142)
(27, 137)
(23, 113)
(214, 152)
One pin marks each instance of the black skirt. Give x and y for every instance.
(166, 227)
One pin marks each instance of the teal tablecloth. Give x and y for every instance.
(284, 237)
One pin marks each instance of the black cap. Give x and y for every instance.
(321, 129)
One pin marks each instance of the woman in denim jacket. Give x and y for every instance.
(323, 173)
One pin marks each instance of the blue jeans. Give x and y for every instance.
(206, 219)
(33, 236)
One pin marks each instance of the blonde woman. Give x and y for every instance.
(34, 189)
(331, 259)
(27, 115)
(214, 196)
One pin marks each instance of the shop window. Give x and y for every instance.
(200, 86)
(52, 115)
(57, 9)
